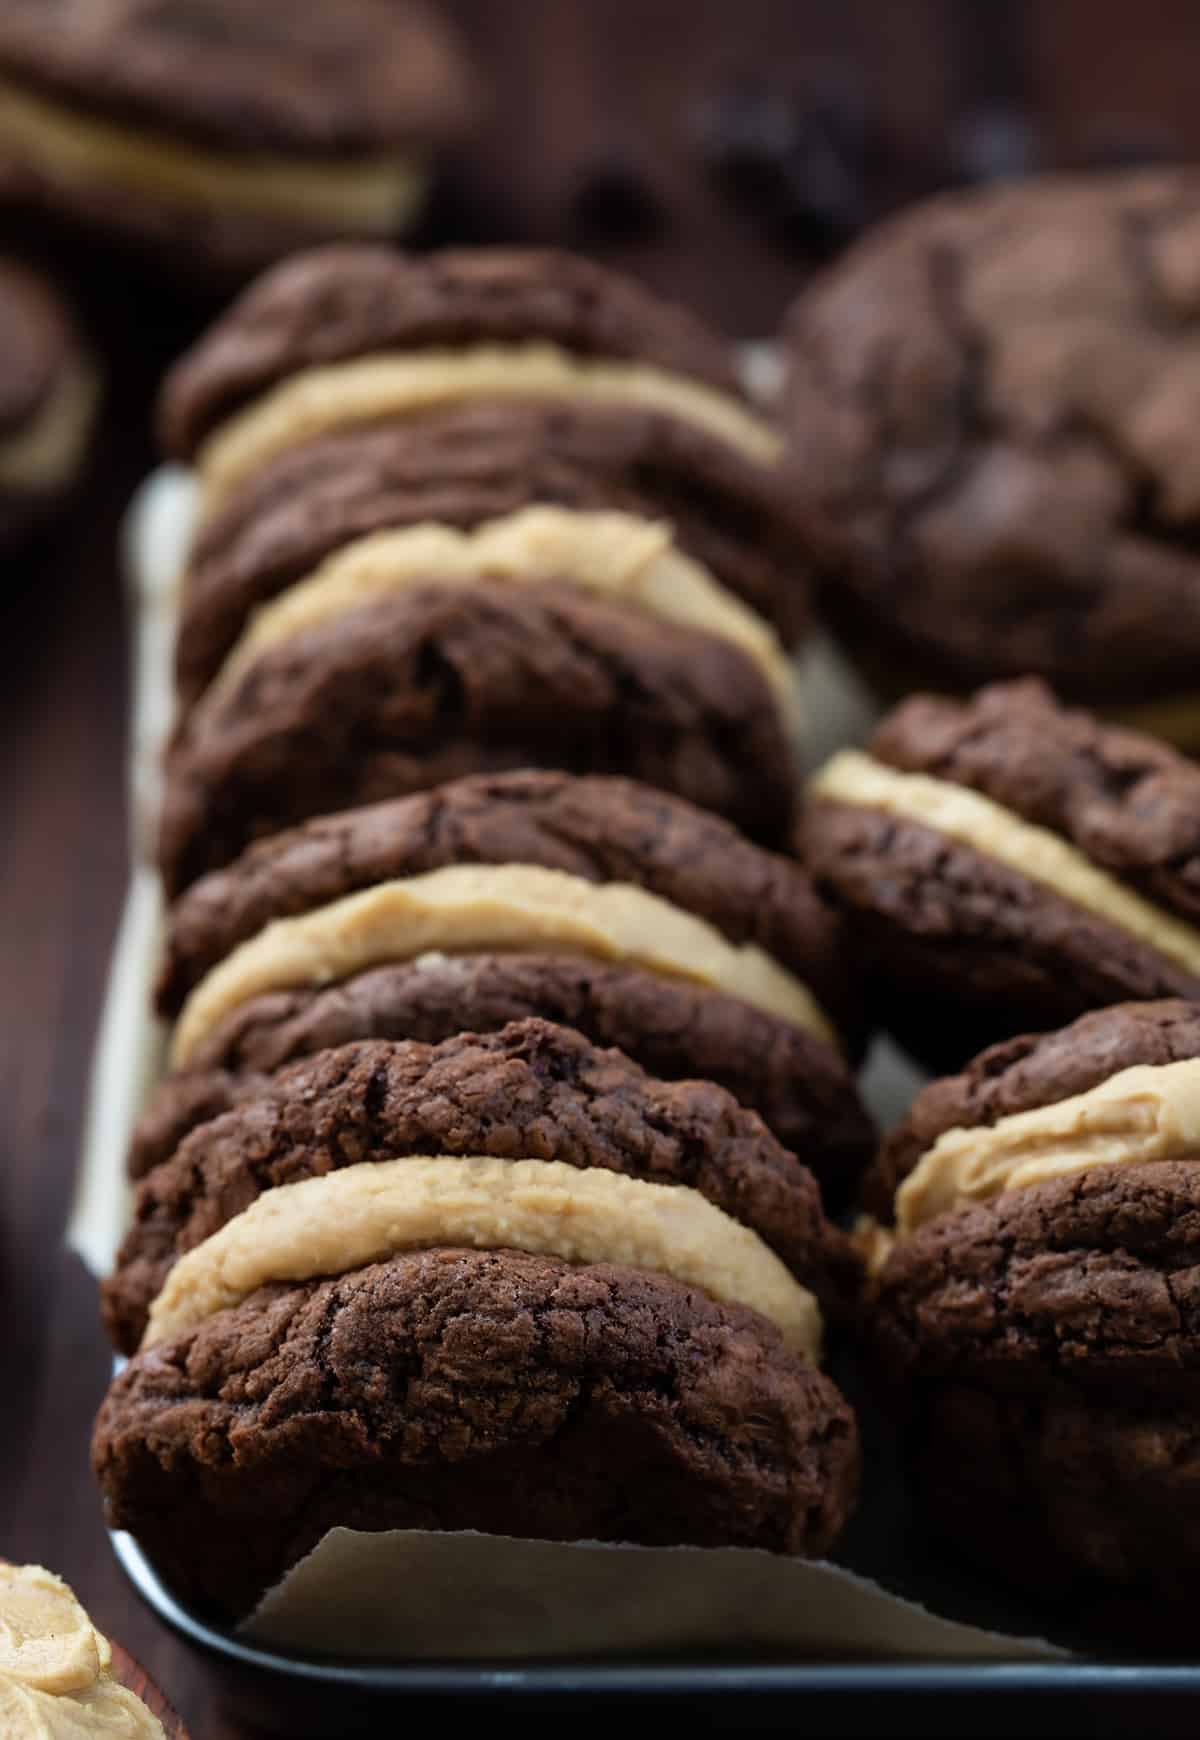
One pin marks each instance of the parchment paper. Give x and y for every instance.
(413, 1595)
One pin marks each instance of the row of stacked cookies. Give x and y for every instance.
(456, 1209)
(395, 1003)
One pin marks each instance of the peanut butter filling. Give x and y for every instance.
(974, 820)
(614, 555)
(372, 195)
(1150, 1112)
(466, 908)
(367, 1213)
(405, 383)
(46, 452)
(55, 1668)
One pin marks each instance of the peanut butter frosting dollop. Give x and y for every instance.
(56, 1679)
(345, 1220)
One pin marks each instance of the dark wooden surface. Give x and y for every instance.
(578, 88)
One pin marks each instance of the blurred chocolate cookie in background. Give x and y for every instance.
(218, 136)
(49, 388)
(992, 406)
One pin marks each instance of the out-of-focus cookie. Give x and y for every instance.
(49, 389)
(1007, 865)
(991, 410)
(219, 135)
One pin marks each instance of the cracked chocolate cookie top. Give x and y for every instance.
(532, 1091)
(469, 1390)
(321, 81)
(1080, 1277)
(991, 408)
(797, 1083)
(404, 693)
(337, 303)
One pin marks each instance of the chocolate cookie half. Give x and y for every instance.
(387, 693)
(487, 1286)
(222, 136)
(1034, 1308)
(628, 914)
(49, 387)
(990, 410)
(1009, 865)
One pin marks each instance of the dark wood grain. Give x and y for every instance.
(576, 85)
(131, 1674)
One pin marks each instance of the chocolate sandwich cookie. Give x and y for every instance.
(49, 387)
(694, 502)
(222, 136)
(1007, 864)
(507, 1284)
(354, 338)
(398, 692)
(1034, 1308)
(990, 410)
(532, 1087)
(627, 914)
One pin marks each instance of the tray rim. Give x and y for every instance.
(529, 1681)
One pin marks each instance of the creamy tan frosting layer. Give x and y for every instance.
(469, 907)
(46, 452)
(46, 1638)
(367, 1213)
(615, 555)
(1150, 1112)
(105, 1711)
(55, 1667)
(405, 383)
(370, 195)
(974, 820)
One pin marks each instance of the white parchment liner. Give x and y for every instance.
(408, 1595)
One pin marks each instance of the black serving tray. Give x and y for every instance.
(313, 1696)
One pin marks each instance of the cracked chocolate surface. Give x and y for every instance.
(533, 1091)
(341, 302)
(404, 693)
(469, 1390)
(992, 405)
(598, 828)
(469, 464)
(801, 1089)
(960, 951)
(355, 79)
(1034, 1069)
